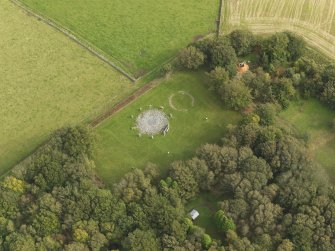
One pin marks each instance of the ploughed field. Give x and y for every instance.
(136, 35)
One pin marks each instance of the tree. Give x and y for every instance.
(46, 223)
(328, 94)
(74, 141)
(191, 58)
(285, 245)
(217, 77)
(296, 46)
(261, 86)
(141, 240)
(242, 41)
(235, 94)
(267, 113)
(19, 242)
(76, 246)
(276, 48)
(222, 54)
(14, 184)
(80, 235)
(223, 222)
(234, 242)
(187, 184)
(301, 237)
(284, 91)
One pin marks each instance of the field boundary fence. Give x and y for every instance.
(219, 20)
(77, 39)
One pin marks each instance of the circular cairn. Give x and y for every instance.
(152, 122)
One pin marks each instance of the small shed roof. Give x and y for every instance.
(194, 214)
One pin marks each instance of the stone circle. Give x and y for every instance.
(152, 122)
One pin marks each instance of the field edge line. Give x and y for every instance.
(90, 48)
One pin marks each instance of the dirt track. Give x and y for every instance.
(124, 103)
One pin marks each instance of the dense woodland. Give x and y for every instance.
(270, 197)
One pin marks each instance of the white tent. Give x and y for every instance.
(194, 214)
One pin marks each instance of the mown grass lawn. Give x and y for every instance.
(313, 120)
(139, 34)
(46, 82)
(119, 148)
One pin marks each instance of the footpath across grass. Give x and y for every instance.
(313, 121)
(139, 34)
(119, 148)
(46, 82)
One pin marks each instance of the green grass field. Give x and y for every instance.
(139, 34)
(46, 81)
(119, 148)
(314, 20)
(312, 119)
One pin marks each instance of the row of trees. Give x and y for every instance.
(281, 69)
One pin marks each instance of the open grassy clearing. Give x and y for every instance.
(47, 81)
(314, 20)
(138, 34)
(119, 148)
(313, 120)
(207, 205)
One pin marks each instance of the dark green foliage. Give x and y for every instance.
(276, 49)
(218, 77)
(235, 94)
(283, 91)
(191, 58)
(74, 141)
(242, 41)
(223, 222)
(141, 240)
(222, 54)
(219, 52)
(267, 113)
(296, 46)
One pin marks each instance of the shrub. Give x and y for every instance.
(223, 222)
(166, 69)
(206, 241)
